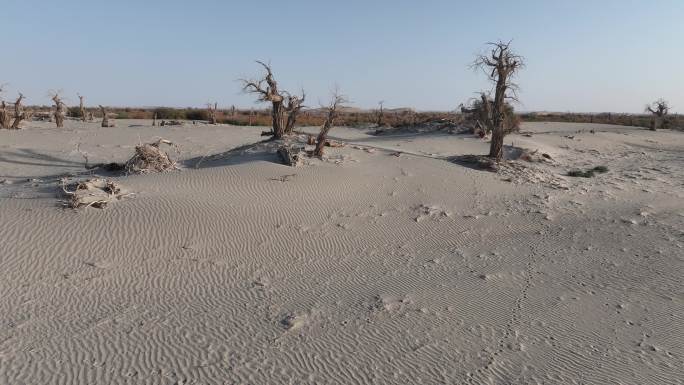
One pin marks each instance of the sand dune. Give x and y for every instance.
(365, 267)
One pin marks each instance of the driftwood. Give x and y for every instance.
(149, 158)
(290, 155)
(96, 192)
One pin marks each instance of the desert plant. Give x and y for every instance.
(659, 109)
(336, 103)
(381, 114)
(500, 64)
(269, 94)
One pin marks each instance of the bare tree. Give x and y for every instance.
(381, 113)
(59, 109)
(660, 108)
(154, 119)
(212, 112)
(269, 94)
(19, 113)
(105, 118)
(81, 107)
(500, 64)
(292, 107)
(333, 110)
(5, 119)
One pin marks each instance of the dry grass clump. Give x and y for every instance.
(95, 192)
(589, 173)
(149, 157)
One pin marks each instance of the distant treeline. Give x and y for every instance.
(363, 118)
(674, 121)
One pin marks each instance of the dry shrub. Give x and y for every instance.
(149, 157)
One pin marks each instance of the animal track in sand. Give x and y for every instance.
(509, 341)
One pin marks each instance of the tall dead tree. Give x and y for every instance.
(105, 118)
(381, 114)
(59, 110)
(5, 119)
(212, 112)
(19, 113)
(660, 108)
(500, 64)
(333, 110)
(269, 94)
(81, 107)
(292, 107)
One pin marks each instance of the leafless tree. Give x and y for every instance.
(501, 65)
(59, 109)
(269, 94)
(81, 107)
(292, 107)
(5, 119)
(154, 119)
(212, 112)
(105, 118)
(381, 113)
(19, 113)
(336, 103)
(660, 108)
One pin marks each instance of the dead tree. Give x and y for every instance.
(154, 119)
(500, 64)
(19, 113)
(269, 94)
(293, 106)
(333, 110)
(212, 112)
(660, 108)
(381, 114)
(59, 110)
(5, 119)
(105, 118)
(81, 107)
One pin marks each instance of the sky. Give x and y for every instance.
(581, 56)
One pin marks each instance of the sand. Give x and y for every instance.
(384, 263)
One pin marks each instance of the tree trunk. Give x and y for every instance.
(496, 148)
(81, 108)
(4, 116)
(278, 115)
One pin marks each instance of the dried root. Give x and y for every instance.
(149, 157)
(96, 193)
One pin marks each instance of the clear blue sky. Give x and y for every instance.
(611, 55)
